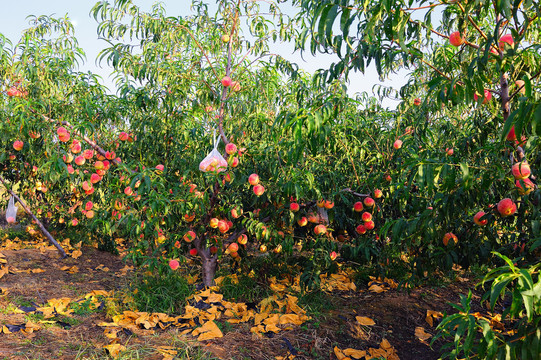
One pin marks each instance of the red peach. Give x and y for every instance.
(253, 179)
(506, 207)
(477, 218)
(521, 170)
(378, 193)
(173, 264)
(259, 190)
(529, 186)
(193, 252)
(189, 236)
(302, 221)
(455, 39)
(320, 229)
(333, 255)
(360, 230)
(294, 207)
(226, 81)
(367, 217)
(230, 148)
(88, 154)
(123, 136)
(369, 225)
(18, 145)
(358, 206)
(214, 223)
(89, 205)
(397, 144)
(368, 202)
(449, 236)
(243, 239)
(506, 39)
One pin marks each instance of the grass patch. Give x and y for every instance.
(161, 293)
(316, 302)
(247, 290)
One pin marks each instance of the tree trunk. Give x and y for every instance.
(208, 269)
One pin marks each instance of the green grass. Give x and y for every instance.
(161, 293)
(247, 290)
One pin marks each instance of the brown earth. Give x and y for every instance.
(396, 315)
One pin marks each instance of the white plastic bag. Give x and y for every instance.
(11, 212)
(214, 161)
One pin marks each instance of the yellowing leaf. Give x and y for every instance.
(355, 354)
(115, 349)
(208, 331)
(376, 288)
(339, 354)
(421, 334)
(76, 254)
(363, 320)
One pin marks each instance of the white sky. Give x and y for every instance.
(13, 20)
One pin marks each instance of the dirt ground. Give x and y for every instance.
(36, 276)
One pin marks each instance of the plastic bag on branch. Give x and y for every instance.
(214, 161)
(11, 211)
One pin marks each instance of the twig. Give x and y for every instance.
(40, 225)
(355, 193)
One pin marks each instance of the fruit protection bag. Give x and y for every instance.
(214, 161)
(11, 211)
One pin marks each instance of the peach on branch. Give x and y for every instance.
(193, 252)
(302, 221)
(449, 236)
(367, 216)
(259, 190)
(456, 39)
(233, 247)
(263, 248)
(123, 136)
(74, 222)
(213, 249)
(521, 170)
(449, 152)
(70, 168)
(511, 136)
(333, 255)
(223, 226)
(94, 178)
(368, 202)
(294, 207)
(328, 204)
(253, 179)
(231, 148)
(160, 168)
(89, 214)
(358, 206)
(226, 81)
(506, 40)
(87, 186)
(397, 144)
(369, 225)
(89, 205)
(242, 239)
(506, 207)
(520, 85)
(361, 230)
(417, 102)
(34, 135)
(189, 236)
(236, 213)
(214, 223)
(477, 218)
(486, 98)
(234, 162)
(378, 193)
(320, 229)
(79, 160)
(88, 154)
(529, 186)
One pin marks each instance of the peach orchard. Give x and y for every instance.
(216, 150)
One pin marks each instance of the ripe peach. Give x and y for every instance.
(388, 178)
(397, 144)
(75, 146)
(417, 102)
(302, 221)
(368, 202)
(233, 247)
(10, 219)
(94, 178)
(361, 230)
(367, 216)
(486, 97)
(234, 161)
(449, 152)
(329, 204)
(294, 207)
(173, 264)
(242, 239)
(506, 39)
(521, 170)
(378, 193)
(263, 248)
(231, 148)
(89, 214)
(86, 186)
(123, 136)
(369, 225)
(236, 213)
(67, 158)
(358, 206)
(193, 252)
(18, 145)
(449, 236)
(89, 205)
(98, 165)
(71, 170)
(455, 39)
(506, 207)
(213, 249)
(528, 184)
(225, 38)
(226, 81)
(222, 226)
(477, 218)
(64, 137)
(74, 222)
(214, 223)
(88, 154)
(159, 167)
(79, 160)
(253, 179)
(511, 135)
(320, 229)
(333, 255)
(189, 236)
(259, 190)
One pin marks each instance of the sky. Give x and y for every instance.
(14, 20)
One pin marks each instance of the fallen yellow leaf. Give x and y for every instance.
(363, 320)
(421, 334)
